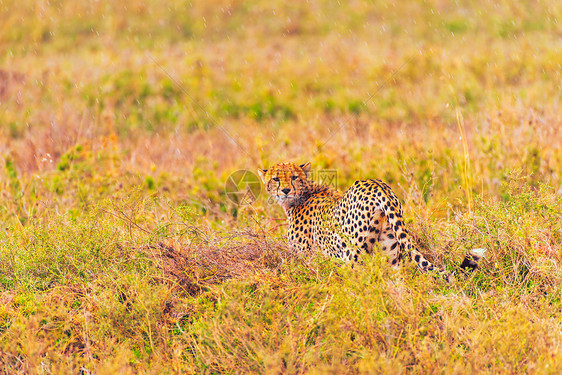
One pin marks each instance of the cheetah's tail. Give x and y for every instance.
(473, 258)
(471, 261)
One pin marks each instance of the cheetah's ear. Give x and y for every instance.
(262, 173)
(305, 167)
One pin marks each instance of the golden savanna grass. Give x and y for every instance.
(120, 123)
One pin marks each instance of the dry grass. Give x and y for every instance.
(121, 121)
(194, 268)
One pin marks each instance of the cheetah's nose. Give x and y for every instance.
(286, 190)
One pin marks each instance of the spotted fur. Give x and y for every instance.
(344, 225)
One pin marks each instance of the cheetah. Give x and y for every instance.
(345, 225)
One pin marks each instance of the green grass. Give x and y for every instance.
(121, 122)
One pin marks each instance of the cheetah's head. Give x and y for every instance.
(286, 182)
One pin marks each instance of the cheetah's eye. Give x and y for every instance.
(294, 178)
(276, 179)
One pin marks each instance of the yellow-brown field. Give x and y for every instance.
(120, 122)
